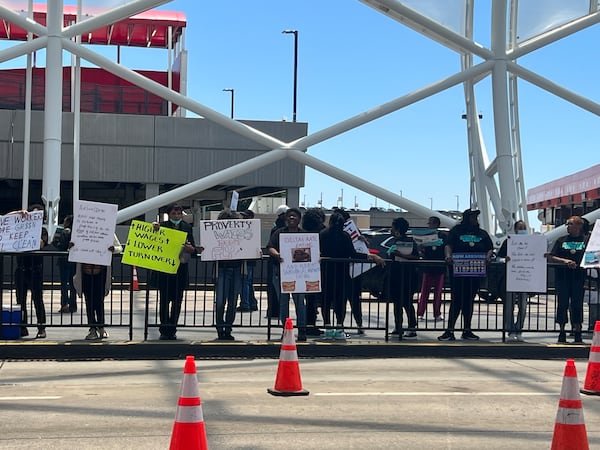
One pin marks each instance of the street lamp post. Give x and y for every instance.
(431, 203)
(232, 97)
(295, 33)
(457, 207)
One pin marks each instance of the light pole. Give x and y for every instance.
(457, 207)
(431, 203)
(295, 33)
(232, 97)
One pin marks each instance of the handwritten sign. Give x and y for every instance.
(93, 232)
(21, 233)
(469, 265)
(154, 250)
(591, 257)
(300, 269)
(526, 264)
(357, 268)
(229, 239)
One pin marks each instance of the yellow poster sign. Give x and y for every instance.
(154, 250)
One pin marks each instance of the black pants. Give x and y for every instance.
(463, 296)
(171, 288)
(30, 279)
(93, 287)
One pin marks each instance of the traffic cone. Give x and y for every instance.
(591, 386)
(569, 429)
(134, 284)
(188, 431)
(288, 380)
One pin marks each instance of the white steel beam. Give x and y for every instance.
(53, 115)
(390, 107)
(550, 86)
(220, 177)
(23, 49)
(369, 188)
(24, 22)
(428, 27)
(175, 97)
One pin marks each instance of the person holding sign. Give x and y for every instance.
(28, 277)
(172, 286)
(472, 247)
(403, 277)
(93, 283)
(514, 298)
(292, 220)
(568, 252)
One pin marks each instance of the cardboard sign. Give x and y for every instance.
(300, 269)
(154, 250)
(228, 239)
(93, 232)
(469, 265)
(21, 233)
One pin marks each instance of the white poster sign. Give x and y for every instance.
(357, 268)
(93, 232)
(21, 233)
(235, 197)
(591, 257)
(526, 269)
(300, 269)
(230, 239)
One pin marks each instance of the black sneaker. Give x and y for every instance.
(468, 335)
(395, 332)
(562, 337)
(578, 339)
(447, 336)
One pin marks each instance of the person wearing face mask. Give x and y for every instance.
(511, 325)
(172, 286)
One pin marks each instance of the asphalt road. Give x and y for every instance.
(353, 404)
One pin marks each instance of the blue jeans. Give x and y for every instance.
(284, 302)
(228, 287)
(248, 299)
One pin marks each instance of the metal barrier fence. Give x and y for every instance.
(130, 310)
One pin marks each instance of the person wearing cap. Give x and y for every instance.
(465, 237)
(292, 220)
(172, 286)
(433, 276)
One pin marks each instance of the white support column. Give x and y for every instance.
(27, 131)
(53, 115)
(152, 190)
(504, 158)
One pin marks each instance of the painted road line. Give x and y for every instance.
(432, 394)
(48, 397)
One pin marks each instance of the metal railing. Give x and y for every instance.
(131, 310)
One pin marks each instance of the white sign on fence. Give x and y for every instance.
(300, 269)
(526, 263)
(21, 233)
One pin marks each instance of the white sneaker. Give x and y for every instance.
(92, 335)
(421, 318)
(519, 338)
(439, 318)
(102, 333)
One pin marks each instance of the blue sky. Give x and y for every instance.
(353, 58)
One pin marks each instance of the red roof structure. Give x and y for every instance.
(147, 29)
(101, 91)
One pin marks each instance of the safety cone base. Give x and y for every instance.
(586, 392)
(287, 393)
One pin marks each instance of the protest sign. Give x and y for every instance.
(526, 263)
(155, 250)
(357, 268)
(300, 270)
(21, 233)
(591, 257)
(469, 264)
(93, 232)
(228, 239)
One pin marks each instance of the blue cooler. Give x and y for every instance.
(11, 322)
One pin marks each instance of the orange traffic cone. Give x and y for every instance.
(134, 283)
(569, 429)
(591, 386)
(188, 431)
(288, 380)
